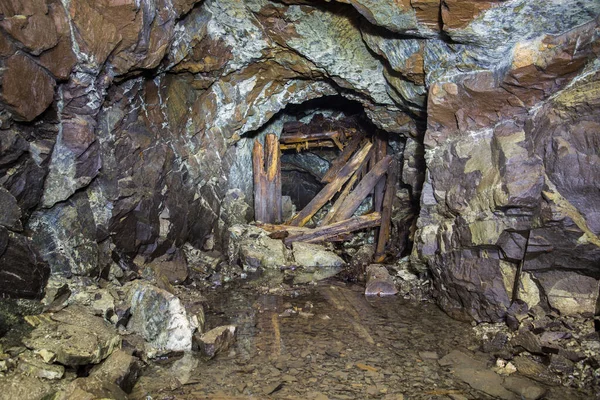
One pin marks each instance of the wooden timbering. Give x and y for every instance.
(333, 187)
(380, 153)
(266, 164)
(386, 214)
(362, 190)
(342, 159)
(324, 233)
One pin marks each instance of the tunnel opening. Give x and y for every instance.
(340, 183)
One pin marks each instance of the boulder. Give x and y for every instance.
(253, 248)
(315, 255)
(23, 387)
(73, 336)
(216, 340)
(159, 317)
(34, 365)
(119, 368)
(379, 281)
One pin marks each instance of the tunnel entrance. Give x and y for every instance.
(328, 173)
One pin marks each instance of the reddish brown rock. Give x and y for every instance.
(95, 34)
(27, 89)
(457, 14)
(60, 59)
(10, 8)
(428, 12)
(37, 32)
(6, 47)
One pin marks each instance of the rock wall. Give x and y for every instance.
(123, 124)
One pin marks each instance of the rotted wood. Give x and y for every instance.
(341, 160)
(308, 145)
(380, 153)
(349, 186)
(258, 170)
(273, 175)
(333, 231)
(386, 214)
(300, 136)
(362, 190)
(266, 165)
(333, 187)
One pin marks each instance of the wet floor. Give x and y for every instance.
(332, 343)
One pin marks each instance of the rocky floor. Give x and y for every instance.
(332, 342)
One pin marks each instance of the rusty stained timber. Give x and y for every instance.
(266, 164)
(386, 215)
(362, 190)
(333, 187)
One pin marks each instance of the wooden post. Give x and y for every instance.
(273, 176)
(332, 188)
(258, 170)
(380, 153)
(361, 191)
(386, 214)
(267, 180)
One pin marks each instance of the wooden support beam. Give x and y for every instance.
(341, 160)
(308, 145)
(332, 188)
(362, 190)
(258, 170)
(349, 186)
(273, 176)
(267, 180)
(300, 137)
(380, 153)
(386, 214)
(333, 231)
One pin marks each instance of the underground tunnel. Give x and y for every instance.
(299, 199)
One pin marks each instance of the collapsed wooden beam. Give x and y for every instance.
(341, 160)
(333, 231)
(332, 188)
(362, 190)
(386, 214)
(267, 180)
(349, 186)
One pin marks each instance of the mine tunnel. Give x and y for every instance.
(297, 199)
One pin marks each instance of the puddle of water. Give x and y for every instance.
(332, 342)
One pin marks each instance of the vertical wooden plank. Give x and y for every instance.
(381, 152)
(386, 214)
(273, 179)
(258, 171)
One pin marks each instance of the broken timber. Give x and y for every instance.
(332, 188)
(267, 180)
(324, 233)
(360, 170)
(364, 187)
(386, 217)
